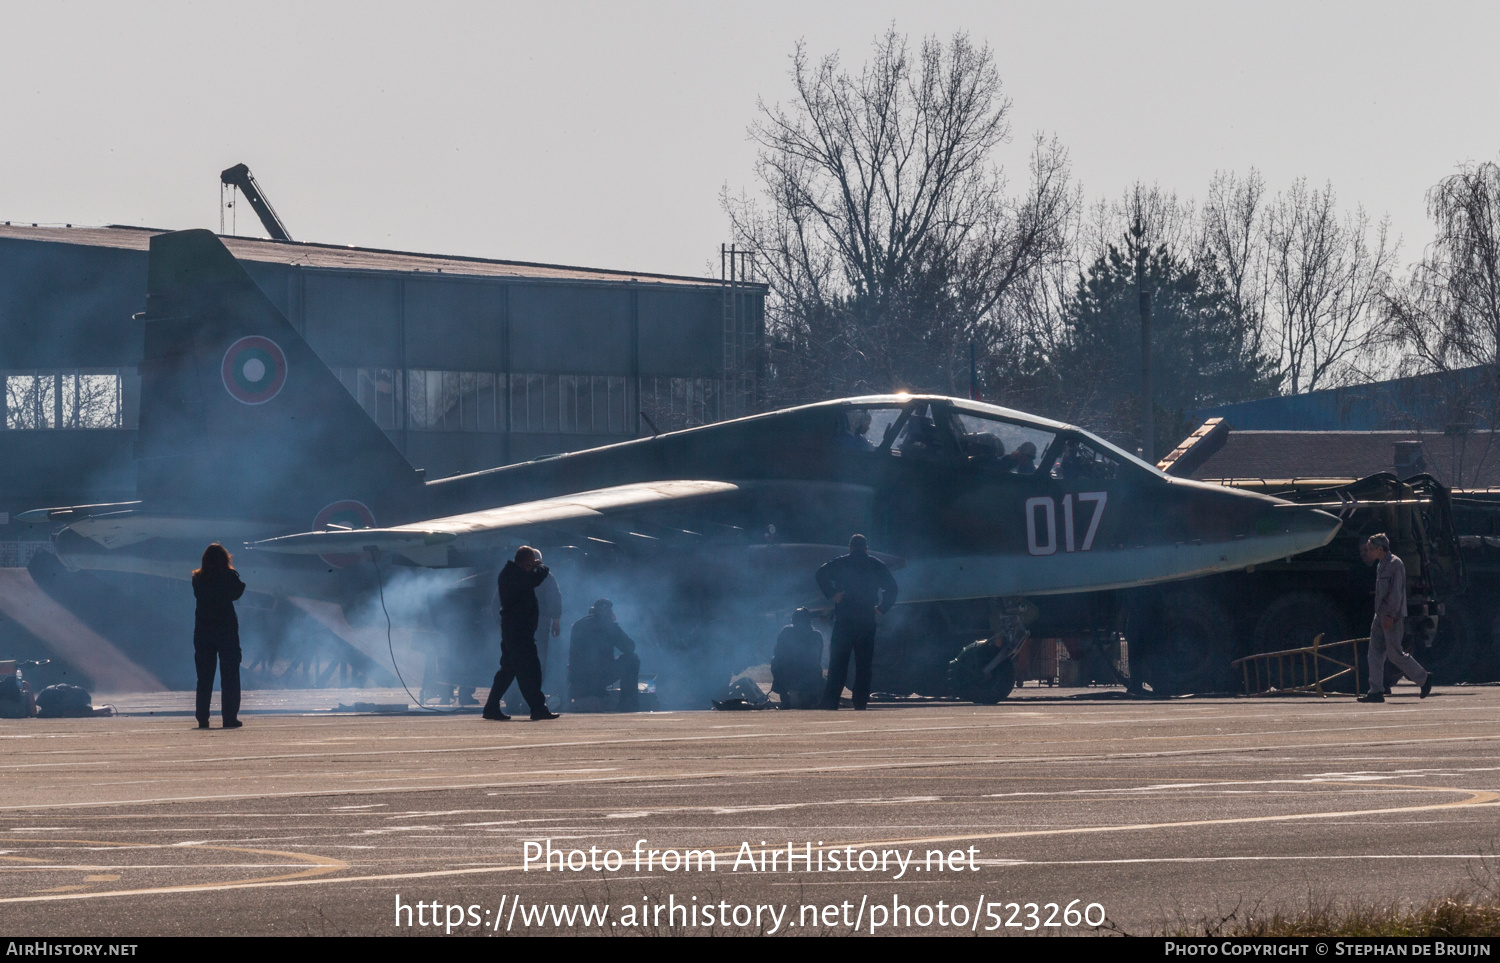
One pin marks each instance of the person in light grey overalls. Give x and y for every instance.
(1389, 623)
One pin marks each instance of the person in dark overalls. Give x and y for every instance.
(216, 634)
(861, 587)
(519, 614)
(797, 663)
(592, 664)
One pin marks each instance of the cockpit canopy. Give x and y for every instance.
(985, 437)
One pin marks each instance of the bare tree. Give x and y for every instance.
(887, 234)
(1448, 314)
(1232, 236)
(1150, 217)
(1327, 277)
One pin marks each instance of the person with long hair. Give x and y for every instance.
(216, 634)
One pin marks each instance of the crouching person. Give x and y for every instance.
(593, 666)
(797, 663)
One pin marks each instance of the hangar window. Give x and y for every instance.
(570, 404)
(454, 400)
(674, 403)
(431, 400)
(378, 391)
(76, 398)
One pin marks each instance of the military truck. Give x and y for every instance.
(1475, 616)
(1181, 637)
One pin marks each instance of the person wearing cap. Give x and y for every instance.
(861, 587)
(1389, 624)
(1022, 461)
(592, 664)
(519, 614)
(797, 663)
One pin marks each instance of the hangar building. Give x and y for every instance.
(467, 363)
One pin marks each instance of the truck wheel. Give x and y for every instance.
(1488, 667)
(1293, 620)
(1452, 653)
(1185, 646)
(1485, 617)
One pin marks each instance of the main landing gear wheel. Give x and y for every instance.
(969, 680)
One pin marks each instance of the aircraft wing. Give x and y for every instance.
(493, 527)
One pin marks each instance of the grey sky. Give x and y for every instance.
(602, 134)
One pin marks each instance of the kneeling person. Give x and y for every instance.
(592, 665)
(797, 664)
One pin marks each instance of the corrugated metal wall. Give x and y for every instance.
(550, 365)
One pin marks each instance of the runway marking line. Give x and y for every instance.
(327, 865)
(320, 865)
(769, 733)
(1477, 797)
(670, 778)
(1228, 859)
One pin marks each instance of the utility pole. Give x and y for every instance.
(1148, 430)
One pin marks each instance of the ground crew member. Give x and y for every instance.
(860, 586)
(518, 620)
(216, 635)
(592, 665)
(1389, 624)
(797, 663)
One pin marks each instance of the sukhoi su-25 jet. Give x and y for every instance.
(246, 437)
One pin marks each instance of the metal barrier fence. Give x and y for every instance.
(1299, 670)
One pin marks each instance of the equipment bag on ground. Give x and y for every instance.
(63, 702)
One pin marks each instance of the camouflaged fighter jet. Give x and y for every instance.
(248, 438)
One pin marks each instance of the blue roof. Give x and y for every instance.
(1431, 401)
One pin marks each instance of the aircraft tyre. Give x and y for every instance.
(1185, 645)
(968, 680)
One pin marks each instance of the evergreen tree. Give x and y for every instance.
(1203, 351)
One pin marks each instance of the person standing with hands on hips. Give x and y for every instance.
(1389, 623)
(861, 587)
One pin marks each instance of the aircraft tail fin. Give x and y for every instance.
(238, 415)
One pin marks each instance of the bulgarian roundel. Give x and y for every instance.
(254, 370)
(344, 514)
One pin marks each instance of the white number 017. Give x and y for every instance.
(1041, 523)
